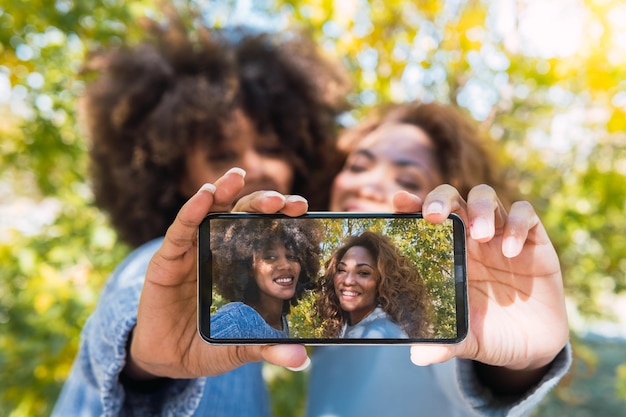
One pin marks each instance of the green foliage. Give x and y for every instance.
(431, 248)
(558, 120)
(620, 373)
(47, 289)
(287, 389)
(51, 276)
(302, 322)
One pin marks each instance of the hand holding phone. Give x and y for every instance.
(331, 278)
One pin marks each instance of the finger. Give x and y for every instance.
(272, 202)
(261, 202)
(405, 202)
(293, 357)
(485, 213)
(248, 203)
(180, 236)
(424, 355)
(295, 205)
(521, 219)
(442, 201)
(227, 187)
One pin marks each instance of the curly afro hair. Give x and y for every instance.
(233, 245)
(401, 290)
(146, 106)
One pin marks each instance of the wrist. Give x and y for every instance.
(137, 379)
(132, 369)
(507, 381)
(514, 379)
(531, 365)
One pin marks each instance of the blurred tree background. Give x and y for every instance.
(547, 80)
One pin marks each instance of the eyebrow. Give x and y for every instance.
(361, 264)
(402, 163)
(398, 162)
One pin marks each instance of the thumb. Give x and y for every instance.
(293, 357)
(423, 355)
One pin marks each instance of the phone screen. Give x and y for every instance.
(331, 278)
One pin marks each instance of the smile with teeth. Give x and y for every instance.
(348, 293)
(284, 280)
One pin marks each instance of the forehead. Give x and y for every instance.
(358, 252)
(401, 138)
(238, 124)
(237, 129)
(273, 244)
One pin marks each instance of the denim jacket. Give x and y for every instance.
(93, 387)
(376, 325)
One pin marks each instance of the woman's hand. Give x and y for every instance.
(518, 321)
(165, 341)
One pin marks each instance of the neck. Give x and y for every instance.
(356, 319)
(271, 309)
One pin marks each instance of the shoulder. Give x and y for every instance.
(237, 320)
(239, 310)
(140, 257)
(132, 270)
(381, 326)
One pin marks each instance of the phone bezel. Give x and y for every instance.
(205, 298)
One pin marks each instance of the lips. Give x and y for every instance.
(284, 281)
(349, 294)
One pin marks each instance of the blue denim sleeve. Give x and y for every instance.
(93, 387)
(480, 398)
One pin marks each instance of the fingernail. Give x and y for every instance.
(480, 229)
(296, 199)
(509, 247)
(236, 170)
(435, 207)
(416, 360)
(208, 187)
(302, 367)
(273, 194)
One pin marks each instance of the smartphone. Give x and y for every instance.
(331, 278)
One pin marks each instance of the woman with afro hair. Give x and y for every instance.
(164, 118)
(263, 266)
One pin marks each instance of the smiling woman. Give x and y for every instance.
(371, 290)
(355, 283)
(263, 267)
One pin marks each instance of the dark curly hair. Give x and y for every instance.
(461, 150)
(146, 106)
(400, 292)
(233, 245)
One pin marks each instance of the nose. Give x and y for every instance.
(349, 279)
(283, 263)
(372, 192)
(372, 185)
